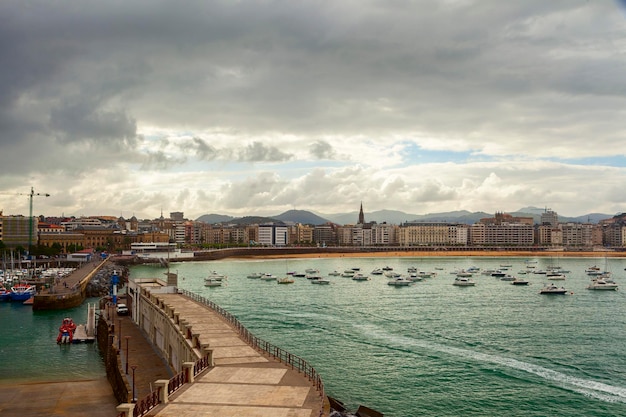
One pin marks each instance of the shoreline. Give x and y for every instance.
(442, 253)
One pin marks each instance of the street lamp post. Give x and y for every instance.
(133, 368)
(126, 337)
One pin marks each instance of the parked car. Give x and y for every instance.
(122, 310)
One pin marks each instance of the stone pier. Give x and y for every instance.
(245, 375)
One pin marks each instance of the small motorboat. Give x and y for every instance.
(603, 284)
(215, 276)
(399, 282)
(463, 282)
(555, 276)
(285, 280)
(360, 277)
(66, 331)
(519, 281)
(320, 281)
(553, 289)
(209, 282)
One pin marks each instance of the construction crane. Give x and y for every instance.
(31, 222)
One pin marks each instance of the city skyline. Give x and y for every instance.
(255, 109)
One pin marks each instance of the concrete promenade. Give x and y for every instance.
(243, 382)
(138, 351)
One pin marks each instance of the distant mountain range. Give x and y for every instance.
(391, 217)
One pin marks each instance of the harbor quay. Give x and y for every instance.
(219, 368)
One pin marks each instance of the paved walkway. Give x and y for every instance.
(244, 382)
(67, 284)
(86, 398)
(150, 366)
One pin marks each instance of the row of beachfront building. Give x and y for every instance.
(117, 234)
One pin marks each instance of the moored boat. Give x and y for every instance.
(285, 280)
(22, 292)
(5, 294)
(553, 289)
(209, 282)
(463, 282)
(213, 275)
(66, 331)
(360, 277)
(399, 282)
(602, 284)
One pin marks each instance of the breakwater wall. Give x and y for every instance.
(108, 346)
(73, 293)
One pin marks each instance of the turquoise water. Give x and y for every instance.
(435, 349)
(29, 350)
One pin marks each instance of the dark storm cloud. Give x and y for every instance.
(259, 152)
(500, 78)
(204, 150)
(298, 65)
(83, 120)
(322, 150)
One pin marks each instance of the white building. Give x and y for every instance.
(273, 235)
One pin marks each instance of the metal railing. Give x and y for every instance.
(282, 355)
(201, 364)
(147, 403)
(153, 399)
(177, 381)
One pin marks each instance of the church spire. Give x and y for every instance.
(361, 215)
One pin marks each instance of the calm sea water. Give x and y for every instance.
(29, 350)
(434, 349)
(429, 349)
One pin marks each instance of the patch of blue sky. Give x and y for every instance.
(616, 161)
(415, 154)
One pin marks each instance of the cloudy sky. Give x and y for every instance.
(258, 107)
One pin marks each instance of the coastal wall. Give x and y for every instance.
(61, 298)
(169, 333)
(112, 361)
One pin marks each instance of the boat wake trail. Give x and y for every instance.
(590, 388)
